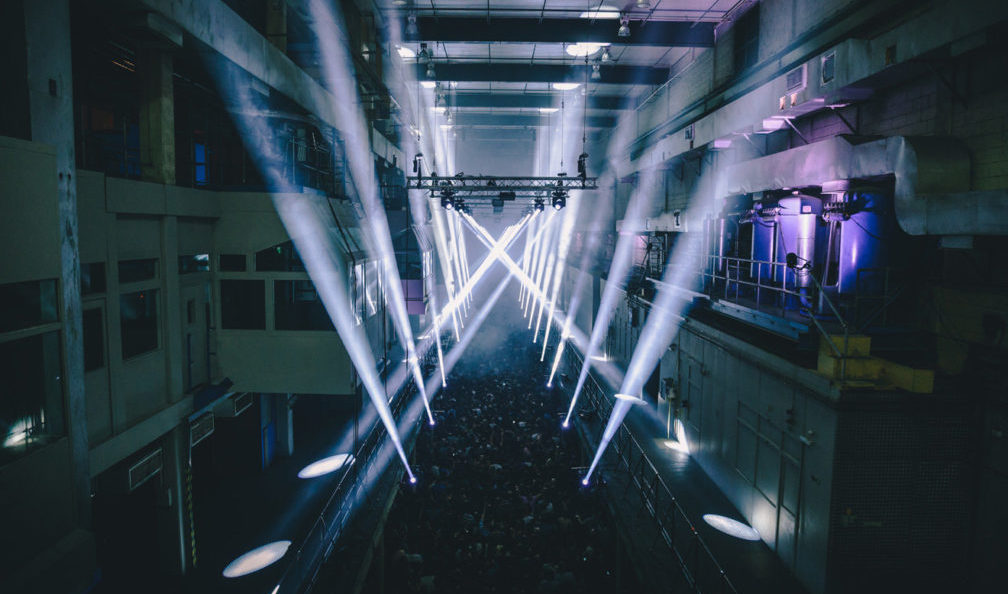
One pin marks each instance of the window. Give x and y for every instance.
(31, 398)
(279, 258)
(747, 39)
(131, 271)
(200, 164)
(197, 263)
(243, 304)
(138, 322)
(298, 307)
(232, 263)
(94, 339)
(27, 304)
(92, 278)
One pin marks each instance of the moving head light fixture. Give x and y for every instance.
(447, 199)
(539, 205)
(559, 199)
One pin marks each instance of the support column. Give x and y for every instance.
(172, 520)
(157, 115)
(50, 98)
(171, 309)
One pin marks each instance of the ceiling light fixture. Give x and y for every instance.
(596, 72)
(430, 70)
(548, 110)
(605, 55)
(624, 26)
(412, 31)
(643, 4)
(405, 53)
(604, 11)
(565, 86)
(584, 48)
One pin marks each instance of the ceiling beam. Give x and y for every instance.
(530, 30)
(528, 101)
(521, 120)
(523, 72)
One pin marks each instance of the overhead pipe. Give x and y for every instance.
(931, 174)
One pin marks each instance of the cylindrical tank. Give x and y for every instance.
(864, 244)
(797, 233)
(764, 237)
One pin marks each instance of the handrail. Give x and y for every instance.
(321, 538)
(700, 569)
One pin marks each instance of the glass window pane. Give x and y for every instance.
(139, 323)
(243, 304)
(298, 307)
(131, 271)
(92, 278)
(31, 400)
(94, 339)
(196, 263)
(27, 304)
(232, 262)
(279, 258)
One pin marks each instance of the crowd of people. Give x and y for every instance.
(498, 506)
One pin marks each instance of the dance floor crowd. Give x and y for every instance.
(498, 506)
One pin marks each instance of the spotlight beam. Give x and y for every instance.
(566, 232)
(619, 270)
(441, 241)
(313, 242)
(499, 247)
(337, 68)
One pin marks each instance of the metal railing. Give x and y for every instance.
(320, 540)
(699, 568)
(734, 278)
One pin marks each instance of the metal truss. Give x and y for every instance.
(491, 186)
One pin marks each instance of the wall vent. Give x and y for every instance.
(827, 68)
(201, 428)
(796, 79)
(145, 469)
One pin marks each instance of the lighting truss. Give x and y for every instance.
(491, 186)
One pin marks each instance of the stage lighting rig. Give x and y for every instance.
(539, 205)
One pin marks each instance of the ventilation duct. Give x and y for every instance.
(931, 190)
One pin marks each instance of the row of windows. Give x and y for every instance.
(296, 305)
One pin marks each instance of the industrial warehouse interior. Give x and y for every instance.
(503, 296)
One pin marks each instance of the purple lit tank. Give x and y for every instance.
(798, 230)
(763, 237)
(864, 245)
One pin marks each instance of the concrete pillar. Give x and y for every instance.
(157, 115)
(171, 309)
(285, 424)
(276, 23)
(173, 532)
(50, 99)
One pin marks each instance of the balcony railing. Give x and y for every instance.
(699, 568)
